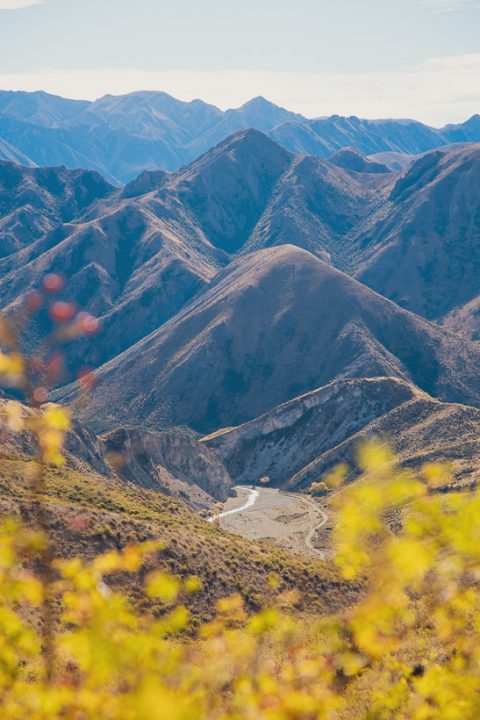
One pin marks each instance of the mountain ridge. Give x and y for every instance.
(120, 136)
(421, 253)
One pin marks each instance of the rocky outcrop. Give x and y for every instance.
(283, 442)
(300, 441)
(172, 463)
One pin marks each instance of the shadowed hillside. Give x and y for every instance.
(421, 249)
(273, 325)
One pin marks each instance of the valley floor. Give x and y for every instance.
(287, 520)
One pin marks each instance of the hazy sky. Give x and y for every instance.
(415, 58)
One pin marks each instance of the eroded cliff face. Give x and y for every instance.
(283, 443)
(298, 442)
(171, 463)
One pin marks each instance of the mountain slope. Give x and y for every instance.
(128, 267)
(274, 325)
(316, 205)
(138, 255)
(350, 159)
(227, 189)
(280, 443)
(169, 463)
(249, 193)
(327, 135)
(11, 154)
(421, 431)
(465, 319)
(35, 200)
(421, 248)
(39, 108)
(89, 513)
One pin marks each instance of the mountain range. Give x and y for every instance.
(134, 256)
(261, 310)
(120, 136)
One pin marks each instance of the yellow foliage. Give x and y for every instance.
(56, 417)
(193, 584)
(336, 477)
(14, 417)
(163, 586)
(411, 639)
(12, 368)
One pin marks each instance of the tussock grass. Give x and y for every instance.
(90, 514)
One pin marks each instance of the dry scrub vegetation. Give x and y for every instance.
(89, 514)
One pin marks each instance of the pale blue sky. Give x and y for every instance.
(369, 57)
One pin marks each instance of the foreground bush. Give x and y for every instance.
(408, 649)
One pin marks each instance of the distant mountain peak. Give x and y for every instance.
(248, 135)
(146, 182)
(259, 101)
(474, 120)
(262, 114)
(352, 159)
(250, 141)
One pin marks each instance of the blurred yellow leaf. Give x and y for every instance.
(162, 586)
